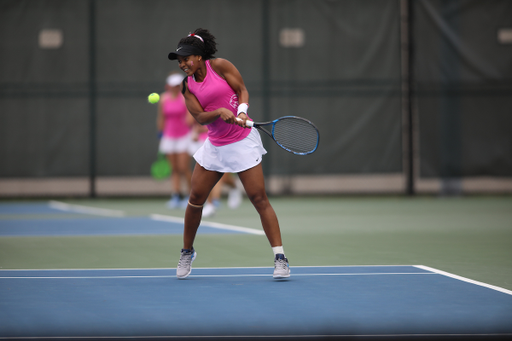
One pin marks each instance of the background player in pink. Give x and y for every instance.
(215, 94)
(174, 123)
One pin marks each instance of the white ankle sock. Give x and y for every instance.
(278, 249)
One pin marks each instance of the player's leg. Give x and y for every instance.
(213, 199)
(229, 180)
(254, 184)
(172, 158)
(183, 168)
(235, 193)
(175, 175)
(202, 183)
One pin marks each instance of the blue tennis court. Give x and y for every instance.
(243, 302)
(380, 302)
(26, 209)
(98, 227)
(60, 219)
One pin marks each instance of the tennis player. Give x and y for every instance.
(174, 126)
(216, 96)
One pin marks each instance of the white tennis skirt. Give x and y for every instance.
(232, 158)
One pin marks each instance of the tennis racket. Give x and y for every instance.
(161, 169)
(292, 133)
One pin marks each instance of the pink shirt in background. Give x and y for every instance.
(213, 93)
(175, 116)
(203, 136)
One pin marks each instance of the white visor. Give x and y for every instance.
(174, 79)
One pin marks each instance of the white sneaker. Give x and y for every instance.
(281, 267)
(208, 210)
(185, 264)
(234, 198)
(174, 202)
(184, 203)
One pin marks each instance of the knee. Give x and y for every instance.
(180, 169)
(197, 199)
(259, 200)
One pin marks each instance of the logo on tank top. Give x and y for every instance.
(233, 101)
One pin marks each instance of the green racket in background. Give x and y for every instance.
(161, 169)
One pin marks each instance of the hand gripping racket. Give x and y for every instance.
(292, 133)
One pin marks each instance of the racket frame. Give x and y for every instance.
(260, 126)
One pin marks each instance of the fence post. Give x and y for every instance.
(92, 98)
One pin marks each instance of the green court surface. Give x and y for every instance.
(466, 236)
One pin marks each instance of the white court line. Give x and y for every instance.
(85, 209)
(464, 279)
(211, 268)
(221, 276)
(160, 217)
(324, 274)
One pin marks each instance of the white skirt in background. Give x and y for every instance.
(232, 158)
(169, 145)
(194, 146)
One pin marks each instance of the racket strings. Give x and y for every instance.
(296, 135)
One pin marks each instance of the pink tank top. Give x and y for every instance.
(213, 93)
(175, 116)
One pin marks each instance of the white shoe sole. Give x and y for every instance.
(282, 276)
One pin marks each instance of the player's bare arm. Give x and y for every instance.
(230, 73)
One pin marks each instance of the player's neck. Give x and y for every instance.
(173, 93)
(200, 74)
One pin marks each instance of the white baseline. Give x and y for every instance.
(160, 217)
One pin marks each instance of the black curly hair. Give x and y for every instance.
(208, 45)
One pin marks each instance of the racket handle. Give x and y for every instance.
(248, 123)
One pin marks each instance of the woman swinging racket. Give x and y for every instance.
(216, 96)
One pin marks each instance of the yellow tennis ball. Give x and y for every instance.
(153, 98)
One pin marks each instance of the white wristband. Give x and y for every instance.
(242, 108)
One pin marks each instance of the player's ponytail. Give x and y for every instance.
(209, 44)
(203, 39)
